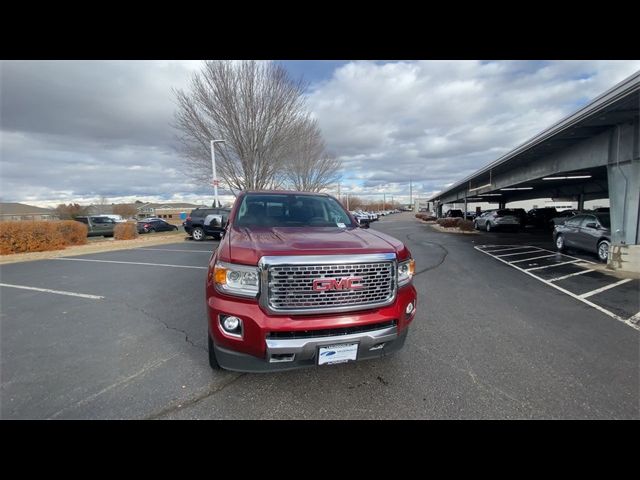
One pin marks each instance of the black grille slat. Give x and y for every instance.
(331, 332)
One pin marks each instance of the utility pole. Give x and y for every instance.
(339, 199)
(347, 201)
(384, 201)
(216, 202)
(411, 193)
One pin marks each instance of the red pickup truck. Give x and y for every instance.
(296, 282)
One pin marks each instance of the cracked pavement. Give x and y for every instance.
(488, 342)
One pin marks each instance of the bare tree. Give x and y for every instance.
(254, 106)
(309, 166)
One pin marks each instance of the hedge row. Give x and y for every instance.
(125, 231)
(426, 217)
(464, 225)
(25, 236)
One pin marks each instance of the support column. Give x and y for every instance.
(623, 172)
(502, 205)
(581, 202)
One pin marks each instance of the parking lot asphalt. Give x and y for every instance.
(124, 336)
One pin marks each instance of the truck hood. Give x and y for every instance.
(247, 245)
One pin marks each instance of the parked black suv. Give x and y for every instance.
(206, 221)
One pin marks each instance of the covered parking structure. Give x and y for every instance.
(591, 154)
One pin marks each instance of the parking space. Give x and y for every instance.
(122, 334)
(574, 276)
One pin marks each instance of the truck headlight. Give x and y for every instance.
(405, 271)
(236, 279)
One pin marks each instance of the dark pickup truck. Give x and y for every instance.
(98, 226)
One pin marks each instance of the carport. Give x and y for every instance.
(589, 155)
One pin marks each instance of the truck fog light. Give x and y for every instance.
(231, 324)
(410, 308)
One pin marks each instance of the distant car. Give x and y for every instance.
(98, 226)
(203, 222)
(155, 225)
(539, 217)
(563, 216)
(588, 232)
(498, 219)
(454, 213)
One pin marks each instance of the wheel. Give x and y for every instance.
(198, 234)
(603, 250)
(475, 225)
(560, 243)
(217, 237)
(175, 228)
(487, 226)
(213, 361)
(151, 230)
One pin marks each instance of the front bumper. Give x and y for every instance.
(263, 341)
(304, 351)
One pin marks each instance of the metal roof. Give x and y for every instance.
(613, 106)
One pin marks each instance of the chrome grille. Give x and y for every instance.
(290, 287)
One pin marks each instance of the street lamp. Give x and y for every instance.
(215, 176)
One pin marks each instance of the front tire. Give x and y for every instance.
(475, 225)
(603, 250)
(198, 234)
(213, 361)
(487, 226)
(560, 243)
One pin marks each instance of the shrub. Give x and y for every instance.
(449, 222)
(73, 233)
(126, 231)
(20, 237)
(466, 225)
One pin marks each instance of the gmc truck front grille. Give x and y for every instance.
(288, 283)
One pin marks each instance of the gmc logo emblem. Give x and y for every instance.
(346, 283)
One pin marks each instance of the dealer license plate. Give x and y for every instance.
(340, 353)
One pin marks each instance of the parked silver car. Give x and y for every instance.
(498, 219)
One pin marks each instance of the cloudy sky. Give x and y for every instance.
(81, 130)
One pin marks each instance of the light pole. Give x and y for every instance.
(215, 176)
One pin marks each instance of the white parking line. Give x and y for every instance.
(175, 250)
(606, 287)
(634, 318)
(534, 258)
(519, 253)
(130, 263)
(557, 279)
(627, 321)
(552, 265)
(503, 249)
(57, 292)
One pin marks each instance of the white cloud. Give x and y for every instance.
(436, 121)
(75, 130)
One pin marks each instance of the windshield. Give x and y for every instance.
(291, 210)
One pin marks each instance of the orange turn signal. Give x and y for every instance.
(220, 275)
